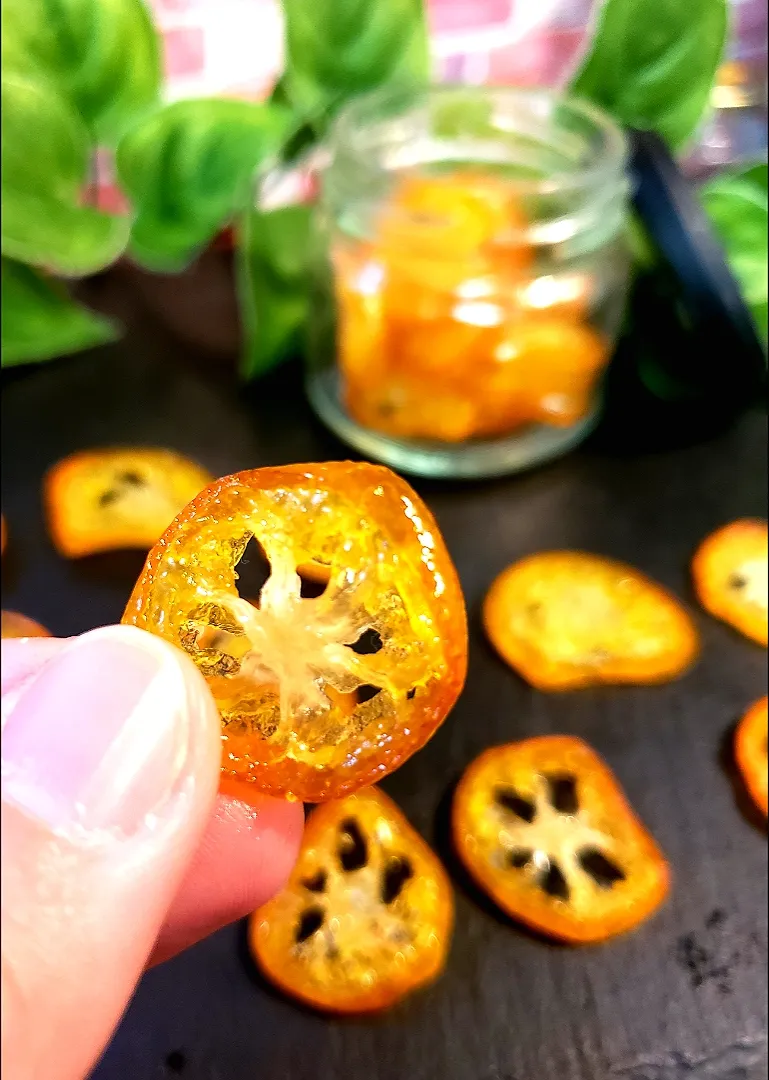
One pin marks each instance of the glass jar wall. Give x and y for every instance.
(470, 277)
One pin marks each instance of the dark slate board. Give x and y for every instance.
(685, 995)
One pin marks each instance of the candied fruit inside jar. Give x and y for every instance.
(470, 279)
(446, 330)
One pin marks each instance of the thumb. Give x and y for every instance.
(110, 763)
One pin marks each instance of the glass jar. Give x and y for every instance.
(470, 279)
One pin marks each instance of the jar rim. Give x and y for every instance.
(368, 110)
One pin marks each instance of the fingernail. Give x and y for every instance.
(100, 738)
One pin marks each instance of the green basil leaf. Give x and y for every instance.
(652, 63)
(188, 168)
(104, 54)
(273, 257)
(640, 244)
(757, 174)
(45, 158)
(738, 207)
(69, 240)
(40, 320)
(337, 49)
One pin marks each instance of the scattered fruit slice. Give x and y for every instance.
(751, 753)
(566, 619)
(105, 500)
(15, 625)
(544, 828)
(730, 577)
(366, 916)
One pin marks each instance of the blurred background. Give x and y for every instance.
(235, 47)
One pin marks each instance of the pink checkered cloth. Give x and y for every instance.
(235, 48)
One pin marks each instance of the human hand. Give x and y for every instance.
(117, 849)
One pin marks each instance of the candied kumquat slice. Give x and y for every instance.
(449, 216)
(545, 370)
(16, 625)
(452, 347)
(410, 408)
(730, 577)
(367, 914)
(320, 690)
(545, 829)
(566, 619)
(751, 753)
(106, 500)
(443, 230)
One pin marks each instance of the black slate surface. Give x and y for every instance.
(682, 997)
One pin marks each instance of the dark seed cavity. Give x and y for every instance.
(562, 792)
(253, 570)
(509, 800)
(554, 883)
(737, 581)
(353, 850)
(600, 868)
(131, 479)
(366, 692)
(519, 857)
(311, 587)
(368, 643)
(108, 497)
(316, 883)
(411, 694)
(397, 872)
(310, 922)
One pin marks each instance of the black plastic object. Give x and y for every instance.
(695, 279)
(678, 227)
(690, 360)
